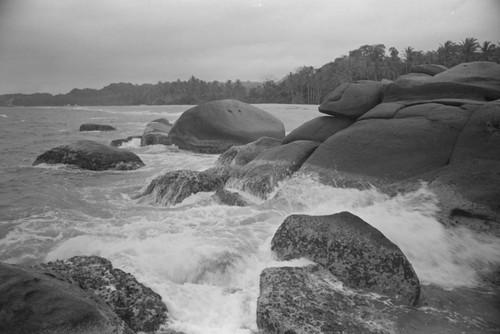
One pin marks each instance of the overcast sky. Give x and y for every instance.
(56, 45)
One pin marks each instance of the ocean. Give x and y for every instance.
(202, 257)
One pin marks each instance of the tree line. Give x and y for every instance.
(306, 85)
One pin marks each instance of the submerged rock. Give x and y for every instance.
(354, 251)
(175, 186)
(156, 132)
(352, 100)
(140, 307)
(214, 127)
(87, 154)
(241, 155)
(35, 302)
(120, 142)
(96, 127)
(262, 174)
(230, 198)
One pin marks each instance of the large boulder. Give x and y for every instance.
(175, 186)
(318, 129)
(477, 81)
(35, 302)
(96, 127)
(88, 154)
(262, 174)
(352, 100)
(311, 300)
(241, 155)
(354, 251)
(156, 132)
(418, 139)
(214, 127)
(140, 307)
(429, 69)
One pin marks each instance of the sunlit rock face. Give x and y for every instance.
(214, 127)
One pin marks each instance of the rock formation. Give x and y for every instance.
(96, 127)
(87, 154)
(156, 132)
(214, 127)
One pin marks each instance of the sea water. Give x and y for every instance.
(202, 257)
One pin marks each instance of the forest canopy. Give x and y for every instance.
(306, 85)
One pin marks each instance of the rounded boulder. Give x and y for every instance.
(215, 126)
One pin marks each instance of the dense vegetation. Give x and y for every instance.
(306, 85)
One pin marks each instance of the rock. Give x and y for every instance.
(140, 307)
(156, 132)
(214, 127)
(476, 81)
(87, 154)
(96, 127)
(120, 142)
(418, 139)
(260, 176)
(429, 69)
(352, 100)
(175, 186)
(230, 198)
(356, 253)
(310, 300)
(480, 137)
(37, 303)
(383, 110)
(241, 155)
(411, 79)
(318, 129)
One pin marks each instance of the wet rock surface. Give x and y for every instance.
(90, 155)
(156, 132)
(137, 305)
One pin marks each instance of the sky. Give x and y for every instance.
(53, 46)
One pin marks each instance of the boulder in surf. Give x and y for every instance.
(96, 127)
(156, 132)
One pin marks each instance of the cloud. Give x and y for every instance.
(55, 45)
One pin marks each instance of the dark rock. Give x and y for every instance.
(37, 303)
(311, 300)
(318, 129)
(120, 142)
(416, 140)
(96, 127)
(260, 176)
(241, 155)
(175, 186)
(430, 69)
(476, 81)
(352, 100)
(156, 132)
(383, 110)
(215, 126)
(355, 252)
(480, 138)
(230, 198)
(140, 307)
(87, 154)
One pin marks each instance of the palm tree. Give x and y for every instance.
(468, 48)
(487, 50)
(408, 55)
(447, 51)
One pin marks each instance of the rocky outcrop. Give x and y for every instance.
(140, 307)
(120, 142)
(87, 154)
(318, 129)
(215, 126)
(415, 140)
(175, 186)
(359, 255)
(156, 132)
(241, 155)
(476, 81)
(35, 302)
(311, 300)
(429, 69)
(352, 100)
(260, 176)
(96, 127)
